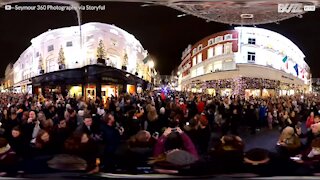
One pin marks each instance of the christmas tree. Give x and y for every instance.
(101, 51)
(61, 58)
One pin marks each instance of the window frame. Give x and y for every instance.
(252, 41)
(68, 45)
(251, 57)
(49, 48)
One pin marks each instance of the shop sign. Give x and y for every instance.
(109, 79)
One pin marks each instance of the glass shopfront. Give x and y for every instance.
(211, 91)
(75, 91)
(109, 91)
(131, 89)
(90, 91)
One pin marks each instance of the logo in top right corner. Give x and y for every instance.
(295, 8)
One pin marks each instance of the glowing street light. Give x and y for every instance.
(151, 64)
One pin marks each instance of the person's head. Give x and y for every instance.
(152, 114)
(231, 143)
(16, 132)
(316, 119)
(143, 136)
(47, 124)
(162, 110)
(42, 138)
(203, 121)
(287, 133)
(109, 118)
(62, 123)
(13, 116)
(32, 115)
(174, 141)
(312, 114)
(87, 120)
(293, 114)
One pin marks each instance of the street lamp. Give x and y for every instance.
(151, 64)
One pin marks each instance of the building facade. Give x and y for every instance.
(8, 81)
(316, 85)
(246, 61)
(72, 48)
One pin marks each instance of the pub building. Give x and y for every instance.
(90, 81)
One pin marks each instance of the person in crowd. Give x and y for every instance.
(289, 143)
(270, 120)
(111, 137)
(60, 133)
(18, 142)
(81, 145)
(310, 120)
(226, 154)
(8, 159)
(174, 149)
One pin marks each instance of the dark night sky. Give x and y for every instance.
(159, 30)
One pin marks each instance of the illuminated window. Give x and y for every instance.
(200, 71)
(218, 39)
(69, 44)
(50, 48)
(194, 61)
(194, 51)
(210, 42)
(251, 57)
(210, 52)
(218, 50)
(194, 73)
(217, 66)
(199, 57)
(227, 48)
(251, 41)
(228, 37)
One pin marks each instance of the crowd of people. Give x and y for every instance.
(155, 132)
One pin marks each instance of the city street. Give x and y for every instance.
(159, 89)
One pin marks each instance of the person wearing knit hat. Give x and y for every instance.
(8, 158)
